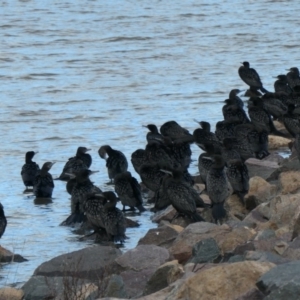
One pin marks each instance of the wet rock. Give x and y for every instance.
(9, 293)
(277, 142)
(162, 236)
(115, 287)
(240, 278)
(163, 276)
(205, 251)
(142, 257)
(289, 181)
(281, 282)
(8, 256)
(260, 191)
(87, 263)
(264, 256)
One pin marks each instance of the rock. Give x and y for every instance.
(235, 208)
(265, 234)
(281, 282)
(264, 256)
(161, 278)
(236, 258)
(205, 251)
(8, 256)
(262, 168)
(142, 257)
(292, 252)
(239, 277)
(162, 236)
(277, 142)
(166, 214)
(260, 191)
(9, 293)
(88, 263)
(182, 246)
(289, 181)
(253, 294)
(115, 287)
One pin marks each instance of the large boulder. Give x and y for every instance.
(225, 281)
(9, 293)
(281, 282)
(89, 263)
(289, 181)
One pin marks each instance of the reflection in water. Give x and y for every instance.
(89, 73)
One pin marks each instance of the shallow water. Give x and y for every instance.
(88, 73)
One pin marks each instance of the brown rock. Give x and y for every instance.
(162, 236)
(9, 293)
(228, 281)
(289, 181)
(166, 214)
(8, 256)
(277, 142)
(236, 210)
(260, 191)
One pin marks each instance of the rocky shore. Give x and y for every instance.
(254, 254)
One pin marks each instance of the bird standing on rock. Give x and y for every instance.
(30, 169)
(43, 184)
(251, 77)
(116, 161)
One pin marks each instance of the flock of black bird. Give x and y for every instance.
(164, 162)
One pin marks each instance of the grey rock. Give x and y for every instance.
(205, 251)
(236, 258)
(88, 263)
(115, 287)
(265, 234)
(253, 294)
(281, 282)
(264, 256)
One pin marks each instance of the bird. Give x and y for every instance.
(291, 121)
(114, 220)
(293, 78)
(205, 162)
(3, 221)
(251, 77)
(233, 112)
(173, 130)
(139, 158)
(233, 96)
(238, 176)
(43, 184)
(153, 134)
(116, 161)
(230, 150)
(217, 187)
(81, 160)
(183, 197)
(281, 84)
(129, 191)
(30, 169)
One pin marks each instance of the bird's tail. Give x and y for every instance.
(218, 211)
(141, 208)
(76, 217)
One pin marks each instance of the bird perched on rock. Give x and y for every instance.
(43, 184)
(251, 77)
(281, 85)
(182, 196)
(233, 112)
(81, 160)
(30, 169)
(173, 130)
(233, 96)
(217, 187)
(153, 135)
(3, 221)
(293, 78)
(205, 162)
(116, 161)
(129, 191)
(114, 219)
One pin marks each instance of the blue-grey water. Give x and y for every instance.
(88, 73)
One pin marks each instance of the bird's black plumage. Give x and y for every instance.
(30, 169)
(43, 184)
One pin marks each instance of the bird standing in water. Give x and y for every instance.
(251, 77)
(43, 184)
(116, 161)
(30, 169)
(3, 221)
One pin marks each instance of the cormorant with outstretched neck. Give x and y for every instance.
(153, 135)
(182, 196)
(205, 162)
(30, 169)
(217, 187)
(293, 77)
(43, 184)
(237, 173)
(129, 191)
(3, 221)
(81, 160)
(139, 158)
(114, 219)
(116, 161)
(173, 130)
(251, 77)
(281, 85)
